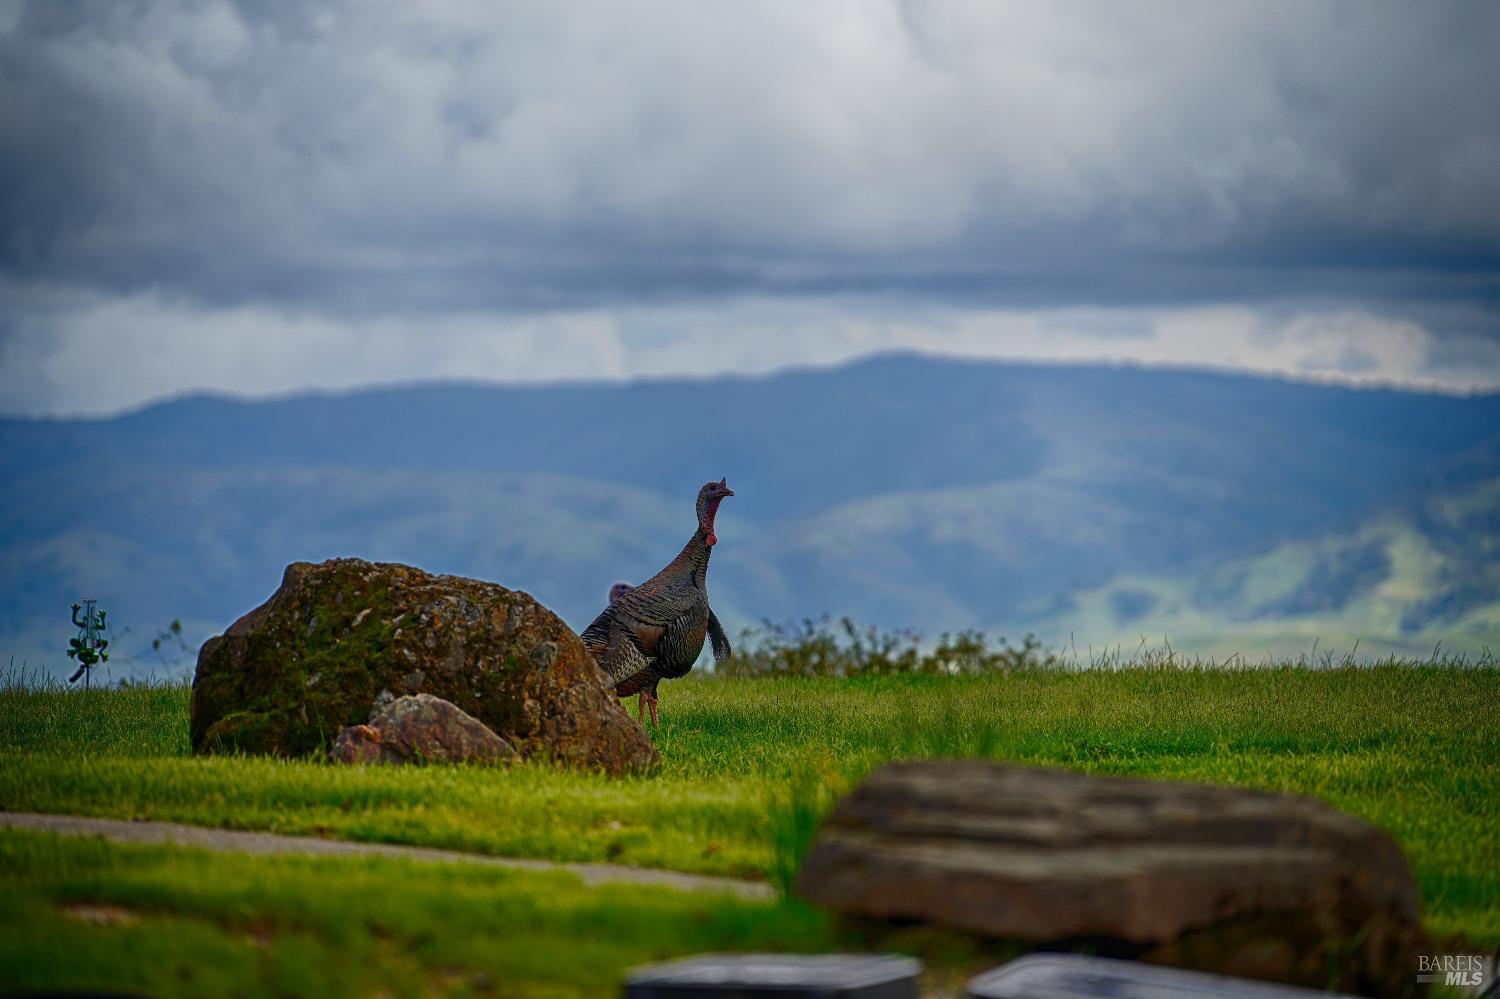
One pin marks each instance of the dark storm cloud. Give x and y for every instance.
(405, 157)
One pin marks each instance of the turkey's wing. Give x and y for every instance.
(680, 643)
(627, 667)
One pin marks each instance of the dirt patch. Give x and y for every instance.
(171, 833)
(100, 914)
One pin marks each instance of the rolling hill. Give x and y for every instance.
(1093, 504)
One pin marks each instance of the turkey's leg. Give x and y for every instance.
(650, 700)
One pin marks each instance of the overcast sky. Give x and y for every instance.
(262, 197)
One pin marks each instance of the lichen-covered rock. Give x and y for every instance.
(1219, 879)
(420, 728)
(342, 638)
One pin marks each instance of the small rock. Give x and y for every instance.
(357, 744)
(421, 728)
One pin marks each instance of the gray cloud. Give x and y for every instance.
(359, 158)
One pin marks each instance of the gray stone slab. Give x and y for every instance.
(721, 976)
(1078, 976)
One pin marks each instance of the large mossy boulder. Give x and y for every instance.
(1217, 879)
(341, 638)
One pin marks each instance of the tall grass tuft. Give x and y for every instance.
(797, 810)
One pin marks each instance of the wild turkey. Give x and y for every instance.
(655, 631)
(716, 636)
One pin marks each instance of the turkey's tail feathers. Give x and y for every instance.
(717, 639)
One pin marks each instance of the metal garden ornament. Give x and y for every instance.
(90, 645)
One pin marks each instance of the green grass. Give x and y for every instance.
(749, 766)
(83, 914)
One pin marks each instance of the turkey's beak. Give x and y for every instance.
(728, 492)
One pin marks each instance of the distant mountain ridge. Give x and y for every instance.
(1100, 503)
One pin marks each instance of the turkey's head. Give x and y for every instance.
(708, 506)
(619, 590)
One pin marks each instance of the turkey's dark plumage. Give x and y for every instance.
(656, 630)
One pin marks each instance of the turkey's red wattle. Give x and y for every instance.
(709, 514)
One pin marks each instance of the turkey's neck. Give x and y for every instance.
(695, 555)
(701, 545)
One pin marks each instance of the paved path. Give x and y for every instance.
(260, 842)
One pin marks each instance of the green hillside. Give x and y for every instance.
(1092, 505)
(1402, 586)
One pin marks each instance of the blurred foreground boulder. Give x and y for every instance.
(1218, 879)
(342, 638)
(420, 728)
